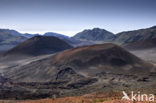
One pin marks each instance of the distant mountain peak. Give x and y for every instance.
(95, 34)
(10, 31)
(97, 29)
(55, 34)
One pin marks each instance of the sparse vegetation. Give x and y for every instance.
(90, 98)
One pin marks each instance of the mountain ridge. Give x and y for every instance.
(140, 45)
(11, 38)
(135, 35)
(95, 34)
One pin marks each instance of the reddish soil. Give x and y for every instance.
(91, 98)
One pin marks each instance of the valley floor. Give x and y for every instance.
(147, 54)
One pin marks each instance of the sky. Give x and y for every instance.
(72, 16)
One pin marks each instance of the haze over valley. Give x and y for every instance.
(77, 51)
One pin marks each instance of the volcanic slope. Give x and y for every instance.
(39, 45)
(83, 70)
(135, 35)
(140, 45)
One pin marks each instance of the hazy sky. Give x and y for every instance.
(71, 16)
